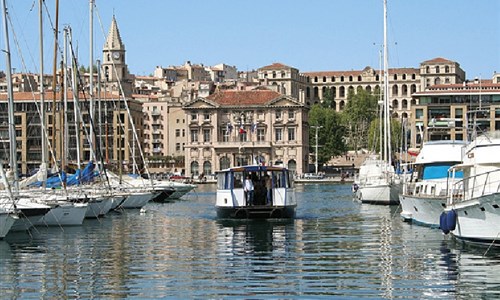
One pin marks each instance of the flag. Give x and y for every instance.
(229, 127)
(253, 127)
(242, 129)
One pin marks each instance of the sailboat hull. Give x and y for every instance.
(423, 211)
(6, 222)
(383, 194)
(138, 199)
(71, 214)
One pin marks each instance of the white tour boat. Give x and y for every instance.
(232, 201)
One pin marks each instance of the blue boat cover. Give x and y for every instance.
(439, 172)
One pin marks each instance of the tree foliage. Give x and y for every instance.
(360, 111)
(374, 135)
(330, 135)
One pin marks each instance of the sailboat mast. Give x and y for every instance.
(387, 130)
(54, 76)
(65, 147)
(91, 75)
(42, 100)
(12, 128)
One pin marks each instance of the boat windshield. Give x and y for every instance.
(439, 171)
(234, 179)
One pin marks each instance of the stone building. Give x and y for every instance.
(231, 128)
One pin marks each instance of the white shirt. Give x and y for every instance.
(248, 185)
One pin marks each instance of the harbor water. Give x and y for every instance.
(335, 248)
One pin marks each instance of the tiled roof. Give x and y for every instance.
(437, 60)
(359, 72)
(275, 66)
(238, 98)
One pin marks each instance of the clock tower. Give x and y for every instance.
(114, 69)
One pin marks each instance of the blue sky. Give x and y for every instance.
(315, 35)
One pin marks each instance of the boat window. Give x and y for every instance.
(221, 181)
(238, 180)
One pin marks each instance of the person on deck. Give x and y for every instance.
(269, 187)
(249, 190)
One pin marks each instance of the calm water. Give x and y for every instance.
(334, 248)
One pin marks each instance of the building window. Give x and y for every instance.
(177, 133)
(278, 115)
(225, 135)
(260, 135)
(194, 135)
(194, 116)
(177, 146)
(207, 116)
(419, 113)
(279, 134)
(291, 134)
(206, 135)
(291, 114)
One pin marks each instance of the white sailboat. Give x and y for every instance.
(377, 182)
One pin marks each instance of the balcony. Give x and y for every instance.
(156, 150)
(238, 144)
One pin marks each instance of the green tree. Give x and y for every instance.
(330, 135)
(359, 112)
(374, 135)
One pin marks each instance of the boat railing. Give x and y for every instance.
(474, 186)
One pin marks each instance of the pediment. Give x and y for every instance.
(284, 101)
(201, 103)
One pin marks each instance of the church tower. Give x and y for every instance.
(114, 69)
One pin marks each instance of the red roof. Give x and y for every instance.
(254, 97)
(438, 60)
(275, 66)
(359, 72)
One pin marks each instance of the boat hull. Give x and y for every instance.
(256, 212)
(477, 220)
(71, 214)
(423, 211)
(6, 222)
(138, 199)
(98, 207)
(383, 194)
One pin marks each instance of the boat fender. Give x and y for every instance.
(451, 219)
(443, 224)
(355, 187)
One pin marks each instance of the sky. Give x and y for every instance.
(314, 35)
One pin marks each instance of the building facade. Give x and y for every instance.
(232, 128)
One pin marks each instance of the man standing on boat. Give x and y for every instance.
(269, 185)
(248, 188)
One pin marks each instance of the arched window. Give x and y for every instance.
(274, 74)
(405, 104)
(413, 76)
(323, 91)
(341, 105)
(395, 90)
(437, 70)
(377, 77)
(350, 78)
(437, 80)
(404, 76)
(395, 76)
(207, 168)
(369, 88)
(334, 92)
(324, 78)
(359, 78)
(333, 78)
(308, 92)
(224, 162)
(195, 168)
(427, 69)
(413, 102)
(404, 90)
(395, 104)
(342, 78)
(315, 78)
(342, 92)
(447, 69)
(404, 115)
(351, 89)
(316, 92)
(292, 166)
(413, 88)
(359, 88)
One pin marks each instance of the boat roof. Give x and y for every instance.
(252, 168)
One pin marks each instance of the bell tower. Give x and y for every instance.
(114, 69)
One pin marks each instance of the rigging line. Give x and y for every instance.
(16, 42)
(134, 131)
(91, 118)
